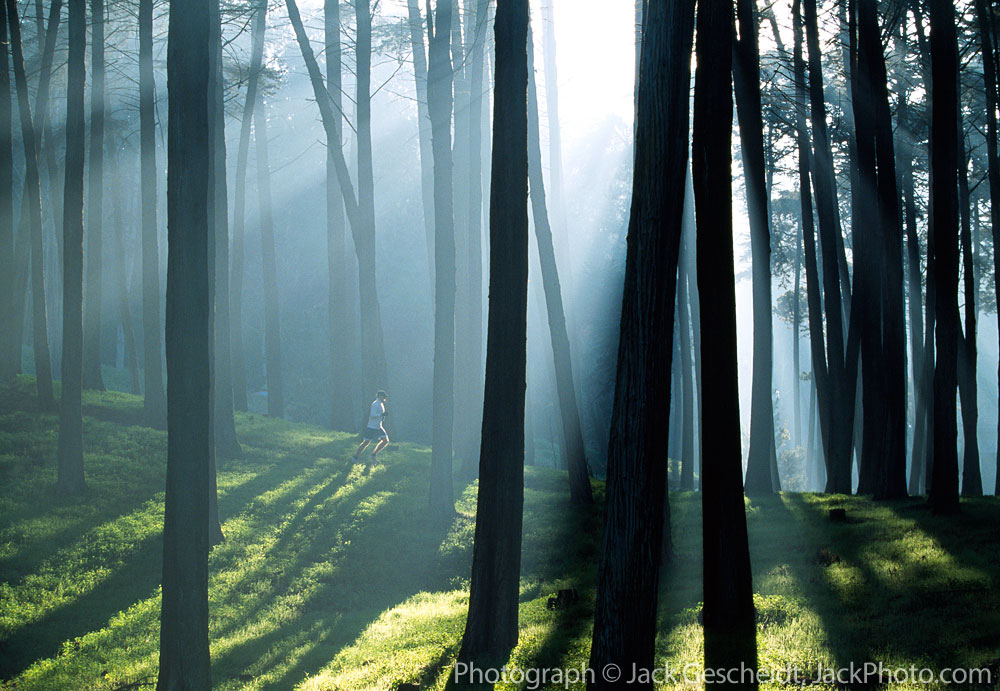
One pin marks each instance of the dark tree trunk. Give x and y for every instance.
(491, 628)
(70, 478)
(840, 362)
(342, 378)
(746, 81)
(730, 627)
(633, 540)
(439, 100)
(10, 346)
(95, 206)
(423, 124)
(944, 217)
(972, 481)
(238, 363)
(184, 651)
(576, 460)
(154, 401)
(905, 154)
(989, 52)
(31, 209)
(272, 317)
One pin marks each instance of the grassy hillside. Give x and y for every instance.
(333, 577)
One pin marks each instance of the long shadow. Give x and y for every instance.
(368, 577)
(135, 581)
(913, 619)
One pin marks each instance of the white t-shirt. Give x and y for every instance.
(376, 414)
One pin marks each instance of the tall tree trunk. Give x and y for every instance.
(841, 361)
(238, 363)
(576, 460)
(342, 379)
(372, 348)
(491, 627)
(31, 210)
(730, 628)
(989, 52)
(439, 100)
(972, 481)
(10, 346)
(95, 206)
(746, 81)
(154, 400)
(944, 204)
(184, 651)
(272, 320)
(423, 124)
(633, 539)
(70, 477)
(905, 154)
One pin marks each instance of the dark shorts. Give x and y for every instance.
(375, 434)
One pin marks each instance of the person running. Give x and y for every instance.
(374, 432)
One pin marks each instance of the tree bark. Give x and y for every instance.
(730, 627)
(746, 82)
(154, 401)
(491, 628)
(439, 101)
(184, 651)
(944, 204)
(120, 273)
(92, 378)
(633, 539)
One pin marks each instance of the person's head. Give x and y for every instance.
(381, 395)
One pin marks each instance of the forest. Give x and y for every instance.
(383, 345)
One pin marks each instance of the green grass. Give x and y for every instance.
(334, 577)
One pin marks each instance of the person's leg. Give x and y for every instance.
(364, 444)
(381, 444)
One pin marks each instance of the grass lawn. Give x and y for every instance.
(334, 577)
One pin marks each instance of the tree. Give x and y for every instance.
(272, 318)
(70, 478)
(154, 403)
(31, 205)
(944, 245)
(491, 627)
(439, 101)
(730, 626)
(576, 459)
(746, 81)
(95, 206)
(637, 449)
(341, 332)
(361, 220)
(184, 651)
